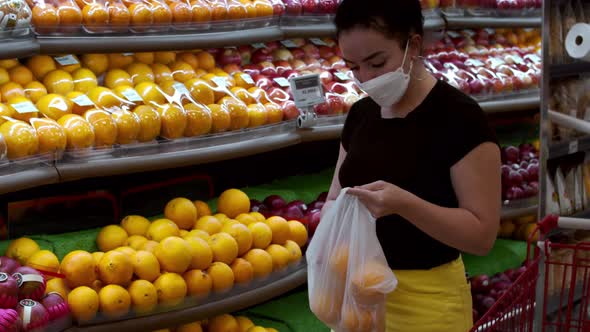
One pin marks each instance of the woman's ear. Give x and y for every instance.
(415, 45)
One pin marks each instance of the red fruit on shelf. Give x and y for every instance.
(322, 109)
(10, 320)
(8, 265)
(229, 56)
(335, 103)
(290, 73)
(57, 308)
(311, 51)
(326, 78)
(313, 220)
(290, 111)
(32, 314)
(480, 284)
(274, 202)
(277, 95)
(327, 6)
(310, 6)
(268, 69)
(322, 197)
(293, 7)
(252, 69)
(316, 205)
(514, 193)
(273, 45)
(31, 283)
(293, 213)
(282, 54)
(326, 52)
(297, 53)
(278, 7)
(262, 82)
(262, 55)
(8, 291)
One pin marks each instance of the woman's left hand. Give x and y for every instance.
(381, 198)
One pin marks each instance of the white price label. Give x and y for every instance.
(82, 100)
(132, 95)
(474, 63)
(66, 60)
(127, 54)
(342, 76)
(180, 88)
(307, 90)
(282, 82)
(220, 81)
(288, 43)
(453, 34)
(573, 147)
(259, 45)
(318, 42)
(490, 31)
(247, 78)
(469, 32)
(24, 107)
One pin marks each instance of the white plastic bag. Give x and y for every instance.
(347, 274)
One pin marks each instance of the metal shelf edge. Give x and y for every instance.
(562, 149)
(18, 48)
(518, 212)
(321, 133)
(569, 69)
(183, 316)
(518, 103)
(493, 22)
(30, 178)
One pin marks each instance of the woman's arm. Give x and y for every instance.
(335, 187)
(473, 226)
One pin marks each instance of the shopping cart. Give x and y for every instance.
(553, 293)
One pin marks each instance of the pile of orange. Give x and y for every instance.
(222, 323)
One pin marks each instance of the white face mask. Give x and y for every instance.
(387, 89)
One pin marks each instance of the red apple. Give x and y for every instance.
(322, 109)
(274, 202)
(293, 213)
(262, 82)
(33, 315)
(322, 197)
(293, 7)
(327, 6)
(56, 306)
(10, 322)
(337, 62)
(338, 88)
(8, 291)
(290, 73)
(30, 282)
(480, 284)
(268, 70)
(278, 7)
(313, 220)
(245, 53)
(252, 69)
(310, 6)
(326, 52)
(214, 51)
(297, 53)
(261, 55)
(290, 111)
(282, 54)
(336, 103)
(349, 100)
(229, 56)
(326, 78)
(311, 51)
(231, 68)
(298, 64)
(8, 265)
(282, 66)
(273, 45)
(277, 95)
(316, 205)
(312, 63)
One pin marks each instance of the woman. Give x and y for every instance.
(421, 156)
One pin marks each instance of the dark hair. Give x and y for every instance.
(397, 19)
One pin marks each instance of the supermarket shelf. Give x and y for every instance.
(252, 296)
(569, 70)
(519, 208)
(25, 177)
(327, 29)
(582, 214)
(322, 133)
(561, 149)
(17, 48)
(510, 104)
(156, 42)
(454, 22)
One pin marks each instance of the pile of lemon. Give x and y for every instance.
(221, 323)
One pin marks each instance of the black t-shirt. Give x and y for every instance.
(415, 153)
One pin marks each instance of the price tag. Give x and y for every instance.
(474, 63)
(282, 82)
(453, 34)
(66, 60)
(318, 42)
(259, 45)
(469, 32)
(247, 78)
(180, 88)
(307, 90)
(490, 31)
(220, 81)
(288, 43)
(82, 100)
(132, 95)
(573, 147)
(342, 76)
(24, 107)
(127, 54)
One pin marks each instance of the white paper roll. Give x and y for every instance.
(577, 41)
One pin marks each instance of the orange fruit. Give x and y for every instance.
(40, 65)
(174, 254)
(34, 91)
(127, 126)
(78, 267)
(114, 301)
(339, 259)
(201, 253)
(162, 13)
(261, 235)
(242, 234)
(168, 88)
(261, 262)
(257, 329)
(171, 289)
(189, 57)
(201, 234)
(182, 13)
(259, 94)
(78, 131)
(52, 136)
(22, 249)
(119, 16)
(218, 11)
(199, 120)
(144, 296)
(126, 250)
(356, 319)
(173, 121)
(136, 242)
(182, 71)
(20, 75)
(250, 8)
(201, 12)
(20, 138)
(97, 63)
(84, 303)
(10, 90)
(115, 268)
(191, 327)
(198, 282)
(202, 208)
(257, 115)
(161, 229)
(209, 224)
(274, 113)
(149, 123)
(246, 219)
(164, 57)
(280, 229)
(161, 73)
(243, 95)
(57, 285)
(54, 106)
(104, 98)
(263, 8)
(23, 108)
(232, 202)
(242, 81)
(326, 306)
(77, 98)
(95, 16)
(238, 111)
(135, 225)
(84, 80)
(236, 11)
(144, 57)
(111, 237)
(244, 323)
(119, 60)
(220, 117)
(151, 94)
(366, 279)
(142, 16)
(59, 81)
(117, 77)
(222, 218)
(205, 59)
(243, 271)
(150, 246)
(294, 251)
(201, 91)
(71, 68)
(224, 247)
(45, 17)
(8, 63)
(222, 323)
(105, 128)
(4, 77)
(182, 211)
(280, 256)
(222, 277)
(44, 260)
(258, 216)
(297, 232)
(97, 256)
(140, 72)
(146, 265)
(70, 15)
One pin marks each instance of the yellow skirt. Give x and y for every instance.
(438, 299)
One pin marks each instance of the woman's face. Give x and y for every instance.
(369, 53)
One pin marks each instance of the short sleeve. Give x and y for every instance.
(350, 124)
(468, 128)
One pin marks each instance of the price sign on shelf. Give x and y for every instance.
(180, 88)
(83, 100)
(282, 82)
(307, 90)
(318, 42)
(573, 146)
(259, 45)
(66, 60)
(247, 78)
(24, 107)
(288, 43)
(132, 95)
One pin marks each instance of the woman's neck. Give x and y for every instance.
(421, 82)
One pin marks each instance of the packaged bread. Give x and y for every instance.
(556, 36)
(569, 20)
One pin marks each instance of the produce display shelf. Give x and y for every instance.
(561, 149)
(26, 177)
(455, 22)
(569, 69)
(239, 300)
(519, 208)
(522, 102)
(156, 42)
(18, 47)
